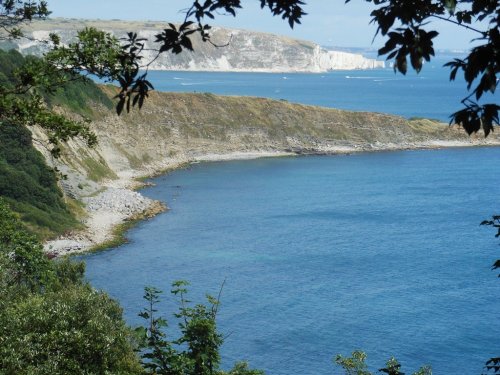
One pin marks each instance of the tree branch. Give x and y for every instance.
(447, 19)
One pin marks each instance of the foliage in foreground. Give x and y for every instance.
(355, 365)
(51, 321)
(196, 351)
(32, 289)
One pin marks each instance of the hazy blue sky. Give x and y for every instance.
(329, 22)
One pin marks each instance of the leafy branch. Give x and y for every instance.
(404, 23)
(196, 351)
(495, 223)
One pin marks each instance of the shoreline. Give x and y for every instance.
(112, 212)
(120, 206)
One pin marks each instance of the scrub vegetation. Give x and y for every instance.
(51, 320)
(28, 184)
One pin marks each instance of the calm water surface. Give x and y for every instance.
(325, 255)
(428, 94)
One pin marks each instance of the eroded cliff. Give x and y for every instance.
(173, 129)
(244, 50)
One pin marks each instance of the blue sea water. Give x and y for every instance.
(427, 94)
(328, 254)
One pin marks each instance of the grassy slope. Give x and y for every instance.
(26, 182)
(172, 123)
(29, 185)
(212, 116)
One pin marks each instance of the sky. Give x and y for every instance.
(328, 22)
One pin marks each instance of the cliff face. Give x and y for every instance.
(246, 50)
(174, 128)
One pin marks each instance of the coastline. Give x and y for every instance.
(119, 206)
(113, 211)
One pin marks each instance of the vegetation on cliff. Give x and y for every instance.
(27, 183)
(51, 320)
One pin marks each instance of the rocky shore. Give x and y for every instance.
(173, 130)
(118, 205)
(106, 210)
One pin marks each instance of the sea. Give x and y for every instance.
(316, 256)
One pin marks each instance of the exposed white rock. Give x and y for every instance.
(243, 51)
(337, 60)
(122, 201)
(105, 210)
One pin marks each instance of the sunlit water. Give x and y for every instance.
(428, 94)
(325, 255)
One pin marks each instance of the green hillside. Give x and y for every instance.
(26, 182)
(29, 185)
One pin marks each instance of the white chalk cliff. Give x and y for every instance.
(246, 51)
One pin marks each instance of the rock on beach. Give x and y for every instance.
(106, 210)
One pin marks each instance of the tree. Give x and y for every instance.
(51, 320)
(404, 23)
(196, 351)
(24, 90)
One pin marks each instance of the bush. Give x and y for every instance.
(29, 184)
(51, 321)
(75, 330)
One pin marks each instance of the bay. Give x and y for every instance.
(324, 255)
